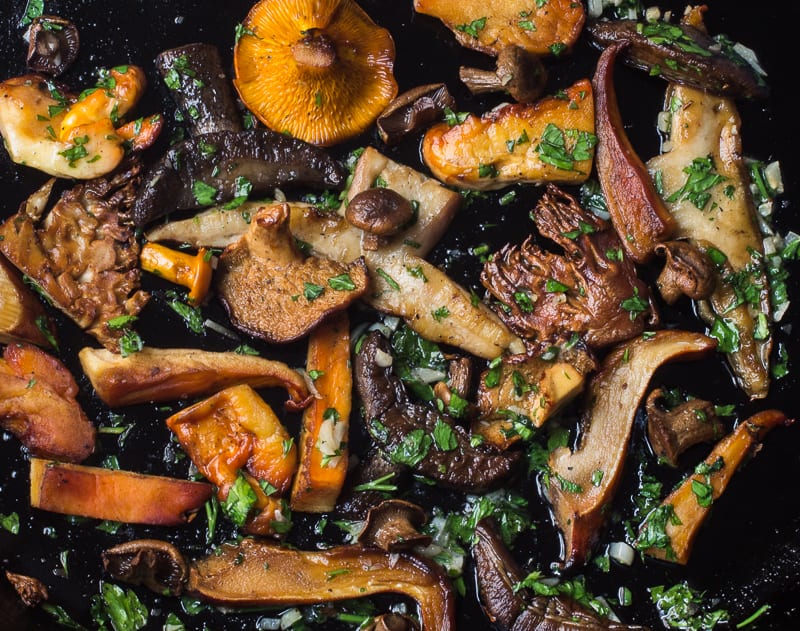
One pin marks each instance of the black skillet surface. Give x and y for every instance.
(753, 530)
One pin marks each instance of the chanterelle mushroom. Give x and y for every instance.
(271, 291)
(321, 71)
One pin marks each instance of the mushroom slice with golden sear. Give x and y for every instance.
(550, 140)
(23, 318)
(321, 71)
(271, 291)
(543, 28)
(83, 253)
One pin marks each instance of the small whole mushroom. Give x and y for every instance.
(53, 45)
(380, 212)
(518, 72)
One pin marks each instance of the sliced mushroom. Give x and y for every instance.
(671, 432)
(157, 565)
(412, 111)
(31, 590)
(518, 72)
(392, 622)
(688, 271)
(393, 525)
(403, 428)
(53, 44)
(23, 317)
(271, 291)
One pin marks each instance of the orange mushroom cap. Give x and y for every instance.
(320, 70)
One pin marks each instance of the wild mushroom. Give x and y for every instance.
(393, 525)
(31, 590)
(271, 291)
(254, 573)
(412, 111)
(673, 431)
(688, 271)
(518, 72)
(391, 622)
(379, 212)
(543, 28)
(550, 140)
(320, 71)
(23, 318)
(157, 565)
(53, 44)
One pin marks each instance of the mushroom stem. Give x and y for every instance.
(315, 50)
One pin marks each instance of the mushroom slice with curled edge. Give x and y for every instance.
(255, 573)
(550, 140)
(412, 111)
(271, 291)
(673, 431)
(393, 525)
(31, 590)
(208, 168)
(23, 317)
(684, 54)
(510, 608)
(540, 27)
(637, 211)
(583, 481)
(705, 143)
(591, 290)
(53, 44)
(404, 429)
(157, 565)
(688, 271)
(519, 73)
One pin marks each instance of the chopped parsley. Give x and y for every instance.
(553, 150)
(701, 177)
(473, 27)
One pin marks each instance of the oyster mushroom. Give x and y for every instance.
(393, 525)
(321, 71)
(53, 44)
(518, 72)
(688, 271)
(413, 110)
(271, 291)
(157, 565)
(673, 431)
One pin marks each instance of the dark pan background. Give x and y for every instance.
(750, 543)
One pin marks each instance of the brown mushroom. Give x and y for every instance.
(688, 271)
(391, 622)
(671, 432)
(157, 565)
(379, 212)
(413, 110)
(272, 292)
(393, 525)
(53, 44)
(518, 72)
(31, 590)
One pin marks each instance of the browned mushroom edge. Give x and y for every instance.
(31, 591)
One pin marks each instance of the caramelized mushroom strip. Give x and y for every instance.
(672, 527)
(536, 27)
(583, 481)
(253, 573)
(23, 317)
(169, 374)
(550, 140)
(705, 146)
(637, 211)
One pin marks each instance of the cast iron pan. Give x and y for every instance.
(748, 551)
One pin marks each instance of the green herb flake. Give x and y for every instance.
(312, 291)
(342, 282)
(240, 501)
(444, 437)
(473, 27)
(204, 194)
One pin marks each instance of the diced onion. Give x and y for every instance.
(774, 177)
(664, 122)
(222, 330)
(621, 552)
(383, 359)
(268, 624)
(594, 8)
(652, 14)
(290, 616)
(750, 57)
(428, 375)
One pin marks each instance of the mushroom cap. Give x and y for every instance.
(321, 70)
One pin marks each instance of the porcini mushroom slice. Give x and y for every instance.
(168, 374)
(412, 111)
(53, 44)
(673, 431)
(207, 169)
(270, 290)
(393, 525)
(157, 565)
(404, 428)
(705, 139)
(321, 71)
(583, 481)
(669, 531)
(519, 73)
(540, 27)
(637, 211)
(688, 271)
(254, 573)
(550, 140)
(683, 54)
(23, 318)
